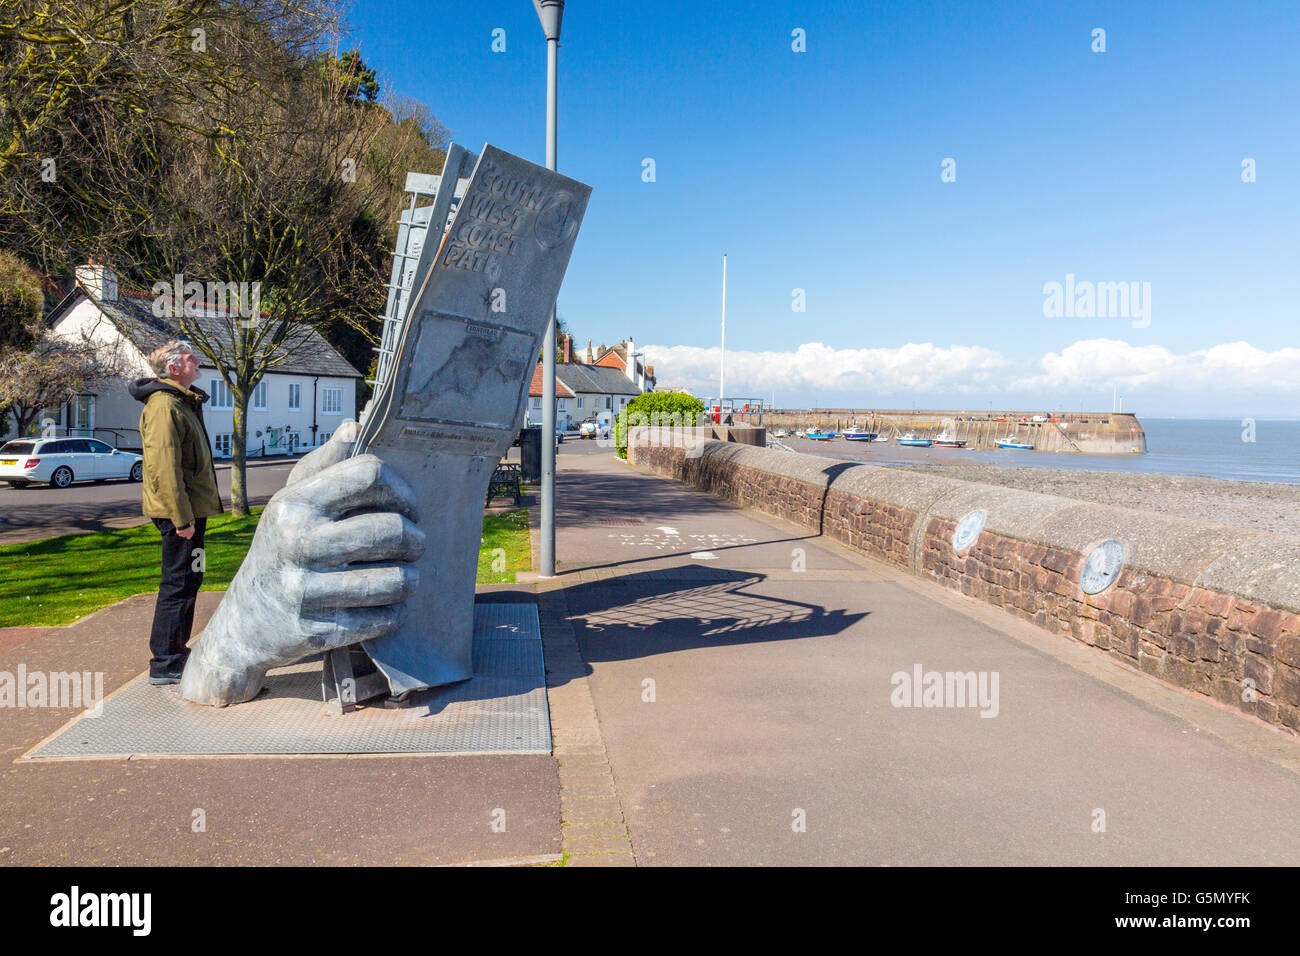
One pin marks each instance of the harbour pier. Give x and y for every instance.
(1093, 433)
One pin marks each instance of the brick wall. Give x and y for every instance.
(1239, 645)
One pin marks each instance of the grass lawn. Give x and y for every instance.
(505, 549)
(57, 581)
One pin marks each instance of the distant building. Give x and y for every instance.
(616, 356)
(297, 406)
(596, 390)
(563, 399)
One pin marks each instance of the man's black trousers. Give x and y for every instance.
(173, 615)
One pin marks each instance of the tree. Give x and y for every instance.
(20, 316)
(202, 139)
(658, 409)
(40, 371)
(361, 82)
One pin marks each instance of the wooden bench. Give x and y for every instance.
(507, 479)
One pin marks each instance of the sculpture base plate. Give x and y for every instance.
(501, 709)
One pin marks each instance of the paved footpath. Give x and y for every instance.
(740, 670)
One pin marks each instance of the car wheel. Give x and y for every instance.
(61, 478)
(137, 471)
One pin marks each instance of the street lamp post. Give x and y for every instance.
(549, 12)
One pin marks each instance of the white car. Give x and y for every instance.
(594, 429)
(61, 461)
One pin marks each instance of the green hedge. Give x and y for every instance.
(657, 408)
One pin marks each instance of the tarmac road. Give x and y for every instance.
(40, 511)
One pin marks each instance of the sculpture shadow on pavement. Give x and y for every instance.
(661, 612)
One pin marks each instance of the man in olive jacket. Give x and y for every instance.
(180, 492)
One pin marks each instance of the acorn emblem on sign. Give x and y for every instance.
(555, 224)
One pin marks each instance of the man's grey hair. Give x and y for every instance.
(169, 353)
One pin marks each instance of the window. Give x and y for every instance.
(222, 397)
(607, 401)
(537, 403)
(323, 437)
(259, 396)
(564, 404)
(579, 403)
(81, 414)
(295, 397)
(221, 445)
(622, 399)
(331, 401)
(99, 448)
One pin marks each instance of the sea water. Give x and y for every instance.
(1214, 448)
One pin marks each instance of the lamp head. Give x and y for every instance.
(550, 12)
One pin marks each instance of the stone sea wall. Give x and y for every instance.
(1212, 609)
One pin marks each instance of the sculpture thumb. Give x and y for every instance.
(338, 448)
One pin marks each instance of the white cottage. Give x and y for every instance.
(294, 408)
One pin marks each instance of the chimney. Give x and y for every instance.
(568, 347)
(100, 282)
(591, 360)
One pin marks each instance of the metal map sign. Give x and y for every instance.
(452, 406)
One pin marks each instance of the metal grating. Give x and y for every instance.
(502, 709)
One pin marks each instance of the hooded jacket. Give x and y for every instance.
(180, 480)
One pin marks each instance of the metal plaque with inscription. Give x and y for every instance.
(1102, 566)
(968, 530)
(455, 399)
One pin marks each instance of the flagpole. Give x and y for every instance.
(722, 369)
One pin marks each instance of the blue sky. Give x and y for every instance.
(821, 171)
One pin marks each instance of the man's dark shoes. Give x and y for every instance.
(164, 679)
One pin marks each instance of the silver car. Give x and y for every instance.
(61, 461)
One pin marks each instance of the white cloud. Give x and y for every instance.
(818, 368)
(1232, 367)
(816, 371)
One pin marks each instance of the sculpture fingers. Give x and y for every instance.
(338, 448)
(354, 624)
(359, 587)
(383, 536)
(357, 484)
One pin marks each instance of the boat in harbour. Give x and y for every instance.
(854, 434)
(911, 438)
(1015, 444)
(944, 440)
(820, 436)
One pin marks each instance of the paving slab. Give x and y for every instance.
(502, 709)
(243, 810)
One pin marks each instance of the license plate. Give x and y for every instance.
(9, 461)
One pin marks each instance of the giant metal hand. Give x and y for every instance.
(326, 568)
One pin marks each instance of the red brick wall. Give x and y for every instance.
(1241, 653)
